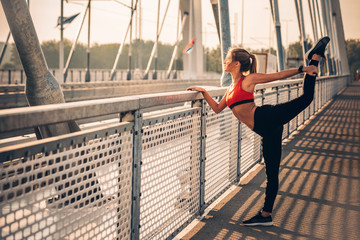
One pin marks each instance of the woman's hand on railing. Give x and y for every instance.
(311, 70)
(199, 89)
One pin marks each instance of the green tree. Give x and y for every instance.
(353, 53)
(51, 52)
(214, 60)
(295, 49)
(15, 59)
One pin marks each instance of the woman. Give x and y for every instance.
(266, 120)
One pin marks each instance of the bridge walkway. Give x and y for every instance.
(319, 193)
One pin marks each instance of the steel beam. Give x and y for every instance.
(4, 47)
(192, 61)
(41, 86)
(225, 38)
(280, 50)
(300, 15)
(113, 70)
(344, 64)
(155, 47)
(74, 44)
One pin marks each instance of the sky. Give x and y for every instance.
(109, 20)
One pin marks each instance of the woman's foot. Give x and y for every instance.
(319, 48)
(259, 220)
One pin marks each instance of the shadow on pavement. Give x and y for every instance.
(318, 196)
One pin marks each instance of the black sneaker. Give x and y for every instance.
(318, 48)
(259, 220)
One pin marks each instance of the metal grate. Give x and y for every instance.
(292, 123)
(78, 192)
(270, 97)
(221, 152)
(250, 148)
(284, 97)
(169, 175)
(85, 185)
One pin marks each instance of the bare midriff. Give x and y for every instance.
(245, 113)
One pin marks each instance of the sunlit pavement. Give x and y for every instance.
(319, 193)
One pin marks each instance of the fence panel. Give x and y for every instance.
(221, 152)
(79, 191)
(170, 173)
(81, 185)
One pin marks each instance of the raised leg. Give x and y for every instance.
(284, 112)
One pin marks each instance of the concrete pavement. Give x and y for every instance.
(319, 193)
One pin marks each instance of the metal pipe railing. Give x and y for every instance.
(15, 76)
(145, 177)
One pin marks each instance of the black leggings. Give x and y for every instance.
(268, 123)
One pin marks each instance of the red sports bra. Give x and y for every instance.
(238, 95)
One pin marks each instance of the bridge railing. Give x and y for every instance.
(77, 75)
(144, 175)
(12, 96)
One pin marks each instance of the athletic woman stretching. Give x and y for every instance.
(266, 120)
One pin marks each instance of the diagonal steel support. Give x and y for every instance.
(41, 86)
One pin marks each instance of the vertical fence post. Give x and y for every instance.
(304, 117)
(321, 93)
(200, 103)
(316, 95)
(297, 95)
(325, 91)
(21, 76)
(136, 177)
(9, 76)
(238, 170)
(203, 157)
(261, 143)
(289, 98)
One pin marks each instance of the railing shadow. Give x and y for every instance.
(319, 193)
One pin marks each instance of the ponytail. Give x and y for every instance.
(252, 63)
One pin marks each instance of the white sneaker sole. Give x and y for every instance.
(267, 224)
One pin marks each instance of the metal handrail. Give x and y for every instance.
(114, 163)
(27, 117)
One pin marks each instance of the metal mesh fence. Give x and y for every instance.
(82, 185)
(293, 122)
(221, 152)
(283, 96)
(270, 96)
(169, 175)
(250, 148)
(82, 191)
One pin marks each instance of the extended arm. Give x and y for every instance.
(257, 78)
(216, 107)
